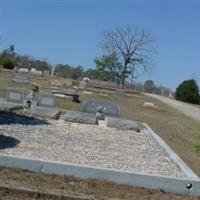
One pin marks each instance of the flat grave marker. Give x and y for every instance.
(21, 78)
(109, 108)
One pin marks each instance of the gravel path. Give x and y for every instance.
(91, 145)
(185, 108)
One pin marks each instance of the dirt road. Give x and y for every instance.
(185, 108)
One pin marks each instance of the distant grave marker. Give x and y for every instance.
(109, 108)
(96, 83)
(83, 85)
(120, 93)
(21, 78)
(46, 74)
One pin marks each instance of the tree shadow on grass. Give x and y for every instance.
(8, 142)
(7, 118)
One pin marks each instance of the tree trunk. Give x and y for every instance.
(124, 73)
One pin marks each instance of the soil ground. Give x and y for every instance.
(99, 190)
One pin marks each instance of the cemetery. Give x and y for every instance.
(89, 136)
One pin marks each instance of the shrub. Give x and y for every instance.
(149, 86)
(188, 91)
(35, 88)
(8, 63)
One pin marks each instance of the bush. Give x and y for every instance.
(8, 63)
(35, 88)
(188, 91)
(149, 86)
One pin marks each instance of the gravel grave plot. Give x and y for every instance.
(90, 145)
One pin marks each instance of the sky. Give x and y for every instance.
(69, 32)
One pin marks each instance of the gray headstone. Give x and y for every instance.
(123, 124)
(46, 100)
(80, 117)
(109, 108)
(21, 78)
(15, 95)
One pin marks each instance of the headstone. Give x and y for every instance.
(46, 100)
(80, 117)
(15, 95)
(123, 124)
(109, 108)
(45, 107)
(21, 78)
(14, 101)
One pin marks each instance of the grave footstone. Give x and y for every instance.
(109, 108)
(120, 123)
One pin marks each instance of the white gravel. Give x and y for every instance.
(91, 145)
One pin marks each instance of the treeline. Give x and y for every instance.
(150, 87)
(10, 59)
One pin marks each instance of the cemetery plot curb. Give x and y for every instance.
(181, 164)
(178, 186)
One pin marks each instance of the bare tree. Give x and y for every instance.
(132, 46)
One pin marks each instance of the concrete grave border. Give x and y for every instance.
(180, 163)
(188, 186)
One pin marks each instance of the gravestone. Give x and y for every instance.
(15, 100)
(15, 95)
(45, 108)
(21, 78)
(109, 108)
(46, 100)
